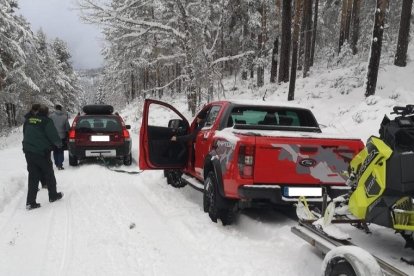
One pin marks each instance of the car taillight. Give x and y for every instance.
(246, 161)
(125, 133)
(72, 134)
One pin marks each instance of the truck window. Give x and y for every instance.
(277, 116)
(212, 115)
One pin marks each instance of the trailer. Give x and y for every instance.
(343, 257)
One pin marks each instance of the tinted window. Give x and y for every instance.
(212, 115)
(273, 116)
(97, 123)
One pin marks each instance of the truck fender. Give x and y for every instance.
(211, 163)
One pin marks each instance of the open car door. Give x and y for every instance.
(161, 121)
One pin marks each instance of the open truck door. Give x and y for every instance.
(161, 121)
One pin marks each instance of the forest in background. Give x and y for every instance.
(32, 69)
(170, 47)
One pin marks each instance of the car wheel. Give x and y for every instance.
(128, 160)
(73, 160)
(213, 203)
(174, 178)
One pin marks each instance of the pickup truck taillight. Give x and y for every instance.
(72, 134)
(246, 161)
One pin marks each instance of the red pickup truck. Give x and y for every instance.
(246, 155)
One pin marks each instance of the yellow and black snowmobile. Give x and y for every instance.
(382, 176)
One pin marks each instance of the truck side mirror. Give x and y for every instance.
(175, 123)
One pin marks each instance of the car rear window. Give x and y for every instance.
(275, 116)
(98, 123)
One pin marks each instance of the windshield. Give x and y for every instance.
(273, 116)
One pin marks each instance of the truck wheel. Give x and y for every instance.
(350, 261)
(128, 160)
(174, 178)
(73, 160)
(213, 203)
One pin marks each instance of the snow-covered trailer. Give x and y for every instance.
(342, 257)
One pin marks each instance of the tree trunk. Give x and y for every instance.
(403, 34)
(348, 20)
(132, 86)
(308, 36)
(296, 26)
(273, 69)
(260, 42)
(177, 74)
(374, 61)
(302, 40)
(286, 39)
(315, 25)
(356, 8)
(343, 24)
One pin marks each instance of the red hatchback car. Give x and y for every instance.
(99, 133)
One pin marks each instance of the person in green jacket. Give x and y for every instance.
(40, 137)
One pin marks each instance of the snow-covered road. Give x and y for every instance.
(118, 224)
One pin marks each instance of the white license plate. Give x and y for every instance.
(300, 191)
(100, 138)
(97, 153)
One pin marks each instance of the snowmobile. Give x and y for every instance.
(381, 180)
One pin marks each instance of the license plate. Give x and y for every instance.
(301, 191)
(100, 138)
(97, 153)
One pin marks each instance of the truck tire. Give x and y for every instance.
(213, 203)
(174, 178)
(350, 261)
(73, 160)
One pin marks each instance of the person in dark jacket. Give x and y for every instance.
(33, 111)
(39, 138)
(60, 120)
(191, 136)
(200, 120)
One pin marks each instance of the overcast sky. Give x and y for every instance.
(58, 18)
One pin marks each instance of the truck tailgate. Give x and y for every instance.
(303, 160)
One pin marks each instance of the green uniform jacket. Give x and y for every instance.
(40, 135)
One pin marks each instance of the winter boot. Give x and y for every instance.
(56, 197)
(31, 206)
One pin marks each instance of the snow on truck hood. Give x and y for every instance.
(230, 134)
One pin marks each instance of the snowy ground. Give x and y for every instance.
(118, 224)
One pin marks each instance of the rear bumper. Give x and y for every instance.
(275, 193)
(80, 151)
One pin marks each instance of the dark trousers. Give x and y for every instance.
(58, 156)
(40, 168)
